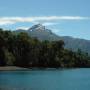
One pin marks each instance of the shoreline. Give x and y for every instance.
(16, 68)
(12, 68)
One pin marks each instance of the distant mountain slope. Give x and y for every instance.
(76, 43)
(42, 33)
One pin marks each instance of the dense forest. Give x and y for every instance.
(22, 50)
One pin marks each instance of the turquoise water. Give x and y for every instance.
(64, 79)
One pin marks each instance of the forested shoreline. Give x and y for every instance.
(23, 51)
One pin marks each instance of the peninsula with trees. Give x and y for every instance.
(18, 48)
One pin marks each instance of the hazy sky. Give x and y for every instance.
(64, 17)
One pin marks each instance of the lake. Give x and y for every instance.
(55, 79)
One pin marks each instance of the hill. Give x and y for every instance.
(43, 33)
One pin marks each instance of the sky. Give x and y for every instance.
(63, 17)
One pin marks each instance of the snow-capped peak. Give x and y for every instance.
(37, 27)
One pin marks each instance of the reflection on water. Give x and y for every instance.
(7, 88)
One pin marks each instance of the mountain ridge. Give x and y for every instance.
(42, 33)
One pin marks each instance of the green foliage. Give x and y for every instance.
(9, 58)
(22, 50)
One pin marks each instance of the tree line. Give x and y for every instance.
(22, 50)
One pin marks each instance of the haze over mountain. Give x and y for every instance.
(42, 33)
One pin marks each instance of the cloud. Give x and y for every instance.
(6, 22)
(56, 30)
(24, 28)
(44, 19)
(49, 23)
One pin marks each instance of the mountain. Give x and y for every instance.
(76, 43)
(42, 33)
